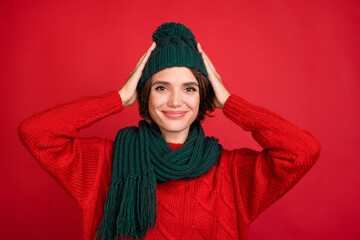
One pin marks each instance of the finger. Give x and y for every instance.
(144, 59)
(210, 63)
(206, 58)
(212, 67)
(199, 48)
(203, 55)
(153, 45)
(142, 62)
(145, 56)
(208, 67)
(148, 52)
(138, 63)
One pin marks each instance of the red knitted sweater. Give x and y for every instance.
(218, 205)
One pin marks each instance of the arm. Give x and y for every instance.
(52, 139)
(261, 178)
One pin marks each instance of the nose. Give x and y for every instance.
(175, 99)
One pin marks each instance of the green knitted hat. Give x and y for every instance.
(175, 46)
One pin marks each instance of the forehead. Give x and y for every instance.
(174, 75)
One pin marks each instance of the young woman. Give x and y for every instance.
(164, 179)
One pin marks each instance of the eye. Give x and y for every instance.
(190, 89)
(160, 88)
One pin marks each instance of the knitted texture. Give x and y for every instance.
(175, 46)
(141, 158)
(220, 204)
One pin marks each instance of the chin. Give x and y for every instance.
(174, 125)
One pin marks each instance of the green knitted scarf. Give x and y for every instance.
(141, 159)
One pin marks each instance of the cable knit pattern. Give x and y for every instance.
(218, 205)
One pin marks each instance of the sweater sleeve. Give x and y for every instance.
(52, 139)
(261, 178)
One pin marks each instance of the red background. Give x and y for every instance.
(299, 59)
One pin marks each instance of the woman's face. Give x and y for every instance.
(174, 100)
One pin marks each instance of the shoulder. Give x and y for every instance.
(229, 158)
(245, 152)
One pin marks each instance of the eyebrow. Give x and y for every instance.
(167, 83)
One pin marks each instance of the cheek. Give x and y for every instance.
(151, 109)
(194, 101)
(151, 104)
(156, 101)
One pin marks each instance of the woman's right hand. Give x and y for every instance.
(128, 92)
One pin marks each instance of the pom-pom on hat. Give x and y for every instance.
(175, 46)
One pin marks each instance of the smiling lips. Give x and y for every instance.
(174, 114)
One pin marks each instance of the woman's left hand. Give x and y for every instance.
(221, 94)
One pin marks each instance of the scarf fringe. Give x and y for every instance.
(127, 217)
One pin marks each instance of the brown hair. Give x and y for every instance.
(206, 93)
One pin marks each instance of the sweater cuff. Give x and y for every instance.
(111, 100)
(234, 106)
(242, 112)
